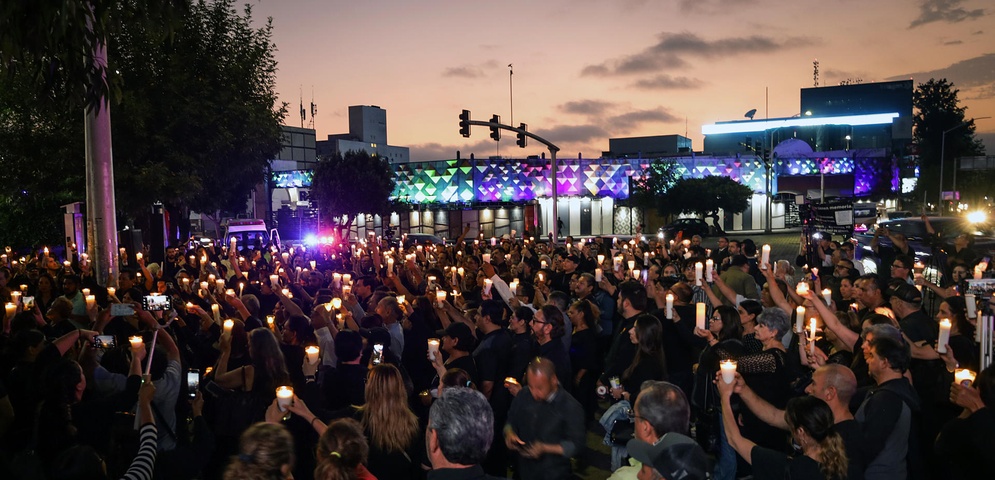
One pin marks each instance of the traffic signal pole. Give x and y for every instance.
(496, 126)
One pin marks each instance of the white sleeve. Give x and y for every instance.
(502, 289)
(327, 344)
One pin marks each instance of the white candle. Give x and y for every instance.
(978, 272)
(617, 262)
(90, 301)
(631, 264)
(111, 291)
(487, 285)
(699, 319)
(346, 289)
(800, 319)
(709, 267)
(964, 377)
(670, 306)
(513, 286)
(227, 326)
(598, 274)
(337, 280)
(635, 274)
(24, 288)
(972, 305)
(336, 303)
(11, 309)
(764, 256)
(284, 395)
(86, 291)
(486, 257)
(314, 264)
(312, 352)
(811, 341)
(440, 297)
(601, 259)
(347, 278)
(493, 242)
(136, 342)
(216, 311)
(400, 299)
(220, 284)
(698, 269)
(646, 258)
(274, 280)
(941, 343)
(271, 322)
(433, 348)
(139, 256)
(827, 295)
(728, 368)
(390, 266)
(802, 289)
(234, 244)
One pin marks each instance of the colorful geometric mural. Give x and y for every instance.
(521, 180)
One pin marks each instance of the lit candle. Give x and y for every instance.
(90, 301)
(709, 268)
(698, 269)
(601, 259)
(337, 280)
(972, 305)
(699, 319)
(670, 306)
(486, 257)
(543, 264)
(186, 282)
(598, 274)
(336, 303)
(227, 326)
(635, 274)
(189, 306)
(493, 242)
(312, 352)
(728, 368)
(314, 264)
(233, 244)
(455, 279)
(440, 297)
(86, 291)
(616, 263)
(15, 296)
(220, 284)
(11, 309)
(203, 285)
(433, 348)
(646, 258)
(487, 286)
(230, 292)
(800, 319)
(964, 377)
(216, 311)
(631, 264)
(513, 286)
(802, 289)
(400, 299)
(285, 256)
(941, 343)
(123, 251)
(764, 256)
(274, 280)
(811, 332)
(139, 256)
(390, 266)
(66, 264)
(111, 291)
(347, 278)
(136, 342)
(284, 395)
(686, 243)
(271, 322)
(241, 288)
(918, 267)
(827, 295)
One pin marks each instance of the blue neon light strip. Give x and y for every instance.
(763, 125)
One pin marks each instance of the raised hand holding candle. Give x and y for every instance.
(433, 348)
(136, 342)
(709, 267)
(764, 256)
(631, 264)
(944, 337)
(635, 274)
(228, 325)
(728, 369)
(486, 257)
(313, 354)
(274, 280)
(284, 395)
(487, 285)
(440, 297)
(271, 322)
(964, 377)
(802, 289)
(90, 301)
(800, 319)
(347, 278)
(111, 291)
(86, 291)
(699, 315)
(670, 306)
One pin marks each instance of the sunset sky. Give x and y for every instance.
(587, 70)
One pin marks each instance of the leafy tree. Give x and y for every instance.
(196, 126)
(937, 109)
(706, 196)
(347, 185)
(654, 183)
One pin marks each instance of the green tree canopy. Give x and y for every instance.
(347, 185)
(706, 196)
(654, 183)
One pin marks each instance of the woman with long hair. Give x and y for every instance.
(265, 452)
(810, 420)
(267, 371)
(650, 363)
(342, 452)
(749, 310)
(389, 424)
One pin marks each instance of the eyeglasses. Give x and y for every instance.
(538, 321)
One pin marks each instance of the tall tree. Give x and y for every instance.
(347, 185)
(197, 125)
(938, 110)
(653, 184)
(706, 196)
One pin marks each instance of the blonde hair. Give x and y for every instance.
(263, 450)
(834, 462)
(386, 416)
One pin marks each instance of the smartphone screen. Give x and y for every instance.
(377, 354)
(156, 303)
(104, 341)
(29, 302)
(193, 381)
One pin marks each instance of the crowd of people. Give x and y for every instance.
(494, 358)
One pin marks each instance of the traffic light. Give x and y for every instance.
(464, 123)
(522, 139)
(495, 131)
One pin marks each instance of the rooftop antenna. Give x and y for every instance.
(314, 108)
(815, 72)
(303, 112)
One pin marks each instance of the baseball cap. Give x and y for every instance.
(462, 333)
(572, 258)
(907, 293)
(673, 456)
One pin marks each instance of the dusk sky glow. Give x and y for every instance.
(587, 70)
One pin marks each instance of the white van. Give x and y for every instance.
(250, 234)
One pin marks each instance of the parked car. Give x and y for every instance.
(688, 227)
(422, 239)
(914, 230)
